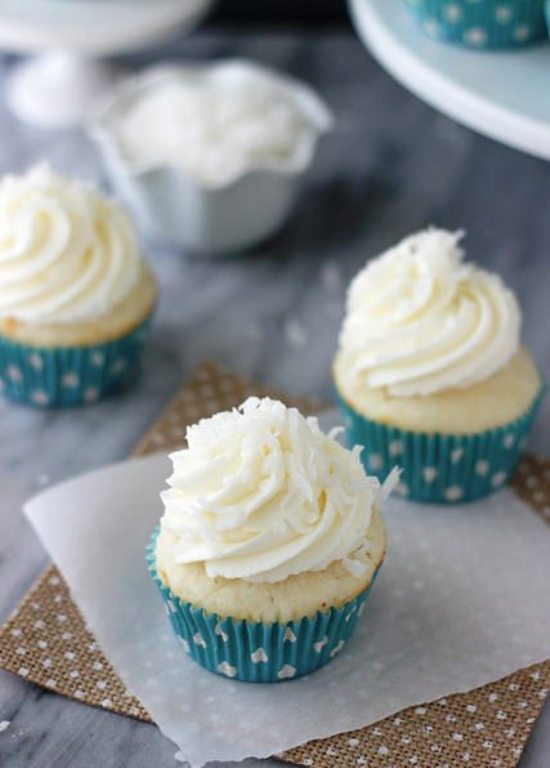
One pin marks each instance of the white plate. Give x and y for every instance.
(92, 27)
(503, 95)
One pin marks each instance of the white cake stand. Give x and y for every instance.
(504, 95)
(61, 85)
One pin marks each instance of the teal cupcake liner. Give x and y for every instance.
(482, 24)
(254, 652)
(69, 376)
(436, 468)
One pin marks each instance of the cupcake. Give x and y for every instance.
(270, 541)
(76, 296)
(482, 24)
(430, 372)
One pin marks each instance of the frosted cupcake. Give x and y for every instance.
(270, 541)
(430, 372)
(76, 296)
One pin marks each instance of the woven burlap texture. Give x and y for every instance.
(46, 641)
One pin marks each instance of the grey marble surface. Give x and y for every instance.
(392, 166)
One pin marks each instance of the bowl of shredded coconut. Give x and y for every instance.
(209, 157)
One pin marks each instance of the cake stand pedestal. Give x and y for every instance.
(57, 88)
(60, 86)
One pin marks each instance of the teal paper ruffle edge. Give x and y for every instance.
(254, 652)
(69, 376)
(485, 24)
(436, 468)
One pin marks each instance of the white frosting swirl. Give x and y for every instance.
(66, 253)
(420, 320)
(261, 493)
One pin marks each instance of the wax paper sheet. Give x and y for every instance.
(461, 601)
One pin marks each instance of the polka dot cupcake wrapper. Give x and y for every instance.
(252, 651)
(482, 24)
(69, 376)
(440, 469)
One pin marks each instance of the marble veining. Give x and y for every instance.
(392, 166)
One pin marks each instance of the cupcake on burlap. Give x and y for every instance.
(270, 541)
(76, 295)
(430, 373)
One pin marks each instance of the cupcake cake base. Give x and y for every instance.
(255, 652)
(440, 468)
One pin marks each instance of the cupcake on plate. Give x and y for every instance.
(270, 541)
(430, 372)
(76, 296)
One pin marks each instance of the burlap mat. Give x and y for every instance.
(46, 642)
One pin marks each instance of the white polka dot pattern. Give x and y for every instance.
(443, 734)
(481, 23)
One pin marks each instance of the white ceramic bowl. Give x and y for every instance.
(172, 206)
